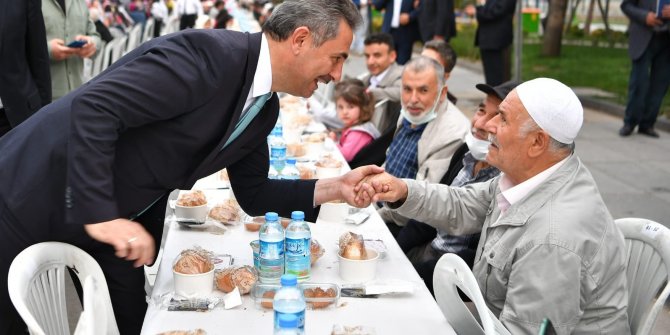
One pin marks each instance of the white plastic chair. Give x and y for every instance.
(98, 59)
(134, 38)
(118, 49)
(452, 272)
(647, 271)
(36, 283)
(148, 30)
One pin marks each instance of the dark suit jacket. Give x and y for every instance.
(639, 33)
(494, 30)
(407, 32)
(25, 81)
(436, 17)
(154, 121)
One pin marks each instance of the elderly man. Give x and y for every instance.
(549, 247)
(430, 129)
(423, 244)
(95, 167)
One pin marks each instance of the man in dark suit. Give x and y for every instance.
(401, 21)
(494, 38)
(437, 20)
(649, 50)
(25, 82)
(103, 159)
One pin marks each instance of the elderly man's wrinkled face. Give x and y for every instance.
(486, 111)
(321, 64)
(508, 146)
(378, 57)
(420, 91)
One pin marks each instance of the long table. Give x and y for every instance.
(415, 313)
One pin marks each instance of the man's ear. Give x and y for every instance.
(540, 143)
(300, 39)
(393, 55)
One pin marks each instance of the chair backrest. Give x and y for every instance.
(451, 272)
(98, 59)
(94, 316)
(148, 30)
(119, 48)
(37, 287)
(647, 271)
(107, 56)
(134, 38)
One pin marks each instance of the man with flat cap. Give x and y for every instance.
(549, 247)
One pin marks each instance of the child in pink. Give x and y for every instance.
(354, 107)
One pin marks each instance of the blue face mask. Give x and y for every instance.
(422, 118)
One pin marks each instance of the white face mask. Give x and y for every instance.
(421, 118)
(478, 148)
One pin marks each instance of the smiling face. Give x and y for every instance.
(420, 91)
(349, 113)
(486, 111)
(378, 57)
(313, 65)
(509, 145)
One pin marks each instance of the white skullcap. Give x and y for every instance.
(553, 106)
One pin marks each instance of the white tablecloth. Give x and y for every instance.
(415, 313)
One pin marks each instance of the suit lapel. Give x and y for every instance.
(252, 61)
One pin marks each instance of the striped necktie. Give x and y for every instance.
(247, 117)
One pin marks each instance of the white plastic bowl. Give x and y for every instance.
(191, 213)
(194, 285)
(359, 271)
(327, 172)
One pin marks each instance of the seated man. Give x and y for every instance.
(442, 52)
(430, 129)
(383, 81)
(549, 247)
(423, 244)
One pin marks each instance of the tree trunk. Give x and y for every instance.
(552, 39)
(589, 18)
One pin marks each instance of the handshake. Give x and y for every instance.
(361, 187)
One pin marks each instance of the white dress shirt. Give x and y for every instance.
(262, 83)
(375, 80)
(395, 19)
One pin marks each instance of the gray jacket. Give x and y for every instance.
(555, 254)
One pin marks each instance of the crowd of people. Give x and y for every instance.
(504, 189)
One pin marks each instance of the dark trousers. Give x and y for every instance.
(404, 42)
(187, 21)
(649, 81)
(158, 24)
(5, 127)
(125, 283)
(497, 65)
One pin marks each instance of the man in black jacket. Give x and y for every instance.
(95, 167)
(494, 37)
(25, 81)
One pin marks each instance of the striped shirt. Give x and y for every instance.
(402, 158)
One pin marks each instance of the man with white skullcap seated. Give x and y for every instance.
(549, 247)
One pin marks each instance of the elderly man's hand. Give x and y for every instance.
(342, 188)
(382, 187)
(130, 240)
(88, 49)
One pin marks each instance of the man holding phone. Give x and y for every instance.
(68, 26)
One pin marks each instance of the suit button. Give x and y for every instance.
(492, 254)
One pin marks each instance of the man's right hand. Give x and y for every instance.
(130, 240)
(382, 187)
(59, 51)
(652, 20)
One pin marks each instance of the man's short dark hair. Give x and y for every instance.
(380, 38)
(445, 51)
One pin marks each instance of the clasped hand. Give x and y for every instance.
(380, 187)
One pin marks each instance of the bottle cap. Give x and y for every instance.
(271, 216)
(297, 215)
(288, 321)
(290, 161)
(289, 280)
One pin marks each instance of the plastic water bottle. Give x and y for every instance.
(290, 171)
(288, 325)
(298, 241)
(277, 148)
(272, 173)
(271, 253)
(289, 300)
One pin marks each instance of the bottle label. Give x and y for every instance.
(271, 250)
(278, 152)
(300, 316)
(298, 260)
